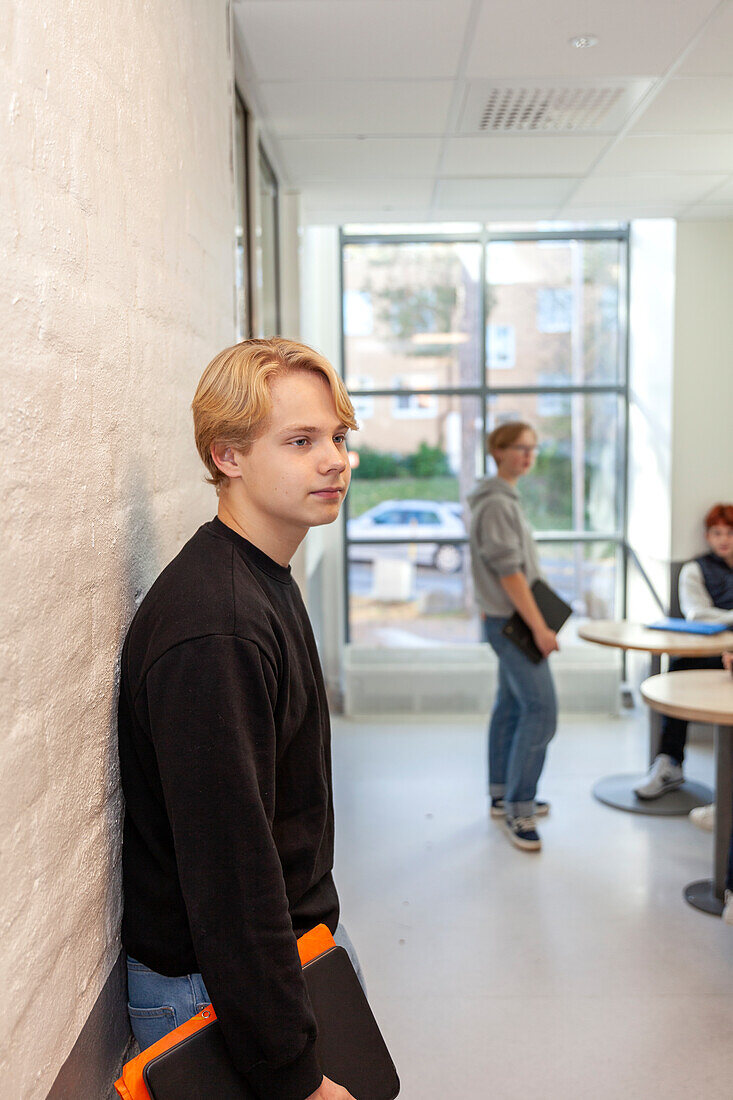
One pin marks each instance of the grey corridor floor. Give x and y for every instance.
(579, 972)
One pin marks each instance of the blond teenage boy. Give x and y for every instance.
(224, 730)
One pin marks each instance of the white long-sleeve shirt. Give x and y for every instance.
(695, 600)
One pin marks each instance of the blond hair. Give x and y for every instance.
(507, 434)
(233, 401)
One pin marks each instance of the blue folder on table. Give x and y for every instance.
(684, 626)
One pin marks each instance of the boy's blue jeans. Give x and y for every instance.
(158, 1004)
(522, 723)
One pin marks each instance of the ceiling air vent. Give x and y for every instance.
(533, 109)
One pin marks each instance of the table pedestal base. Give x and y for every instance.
(702, 896)
(618, 791)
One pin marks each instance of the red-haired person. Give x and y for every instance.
(706, 595)
(504, 564)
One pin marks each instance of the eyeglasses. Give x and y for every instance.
(522, 448)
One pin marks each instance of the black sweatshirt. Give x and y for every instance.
(226, 770)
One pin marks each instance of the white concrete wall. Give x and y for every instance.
(651, 369)
(681, 383)
(702, 469)
(116, 215)
(321, 328)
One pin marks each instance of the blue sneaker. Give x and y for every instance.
(523, 833)
(498, 809)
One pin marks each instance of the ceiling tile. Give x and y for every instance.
(364, 216)
(372, 39)
(350, 159)
(690, 104)
(708, 212)
(722, 194)
(527, 216)
(352, 108)
(522, 153)
(671, 188)
(378, 194)
(514, 192)
(670, 153)
(519, 38)
(590, 213)
(355, 96)
(713, 56)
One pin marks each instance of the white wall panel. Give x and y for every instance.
(703, 381)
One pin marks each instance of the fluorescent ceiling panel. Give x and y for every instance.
(352, 108)
(350, 159)
(518, 38)
(367, 39)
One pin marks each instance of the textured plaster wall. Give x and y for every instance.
(116, 223)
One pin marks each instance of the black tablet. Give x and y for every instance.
(350, 1047)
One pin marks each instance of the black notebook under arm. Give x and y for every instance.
(555, 612)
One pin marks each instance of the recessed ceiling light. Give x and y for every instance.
(584, 41)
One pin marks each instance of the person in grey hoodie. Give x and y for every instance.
(504, 564)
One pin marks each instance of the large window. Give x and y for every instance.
(444, 338)
(267, 250)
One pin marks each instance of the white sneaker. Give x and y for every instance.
(728, 909)
(704, 817)
(664, 775)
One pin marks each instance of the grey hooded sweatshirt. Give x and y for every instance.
(501, 544)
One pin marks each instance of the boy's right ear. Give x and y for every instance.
(226, 459)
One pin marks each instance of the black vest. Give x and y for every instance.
(718, 579)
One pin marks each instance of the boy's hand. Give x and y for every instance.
(329, 1090)
(728, 661)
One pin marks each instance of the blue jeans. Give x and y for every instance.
(158, 1004)
(522, 724)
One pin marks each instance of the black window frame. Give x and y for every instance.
(484, 237)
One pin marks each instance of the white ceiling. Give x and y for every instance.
(371, 108)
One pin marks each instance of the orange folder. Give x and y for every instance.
(132, 1084)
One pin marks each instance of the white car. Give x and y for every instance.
(415, 522)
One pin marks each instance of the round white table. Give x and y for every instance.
(618, 790)
(704, 695)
